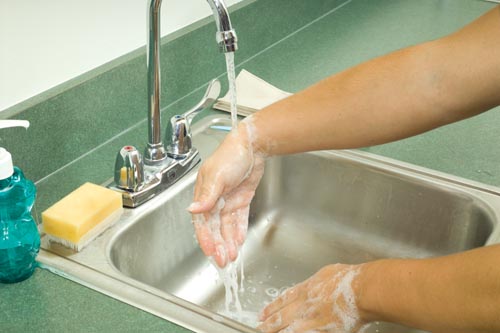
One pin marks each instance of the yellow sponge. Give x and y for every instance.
(82, 215)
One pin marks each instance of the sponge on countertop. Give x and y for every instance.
(82, 215)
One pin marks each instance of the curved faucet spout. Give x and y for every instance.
(225, 36)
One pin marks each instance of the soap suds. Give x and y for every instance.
(347, 313)
(331, 288)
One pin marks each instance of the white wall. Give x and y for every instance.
(45, 43)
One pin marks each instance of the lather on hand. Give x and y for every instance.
(225, 186)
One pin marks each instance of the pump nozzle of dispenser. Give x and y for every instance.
(6, 166)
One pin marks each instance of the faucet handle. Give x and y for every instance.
(211, 94)
(129, 169)
(180, 125)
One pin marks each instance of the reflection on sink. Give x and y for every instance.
(310, 210)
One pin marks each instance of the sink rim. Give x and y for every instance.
(107, 279)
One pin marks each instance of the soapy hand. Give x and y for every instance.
(326, 302)
(226, 184)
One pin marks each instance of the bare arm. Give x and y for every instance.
(451, 294)
(456, 293)
(392, 97)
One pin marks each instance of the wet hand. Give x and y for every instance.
(224, 188)
(326, 302)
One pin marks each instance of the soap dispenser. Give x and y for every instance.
(19, 237)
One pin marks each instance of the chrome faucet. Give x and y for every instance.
(139, 179)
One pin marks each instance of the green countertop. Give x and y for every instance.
(357, 31)
(49, 303)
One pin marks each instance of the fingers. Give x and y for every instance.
(220, 256)
(234, 221)
(300, 326)
(208, 232)
(241, 222)
(201, 206)
(288, 297)
(281, 319)
(228, 234)
(216, 239)
(229, 174)
(323, 303)
(204, 235)
(206, 193)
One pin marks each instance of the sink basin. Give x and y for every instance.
(310, 210)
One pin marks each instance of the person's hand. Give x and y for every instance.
(225, 185)
(326, 302)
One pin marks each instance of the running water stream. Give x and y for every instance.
(229, 274)
(231, 77)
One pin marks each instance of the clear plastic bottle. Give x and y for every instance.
(19, 237)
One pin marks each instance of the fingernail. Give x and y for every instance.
(194, 206)
(220, 255)
(230, 250)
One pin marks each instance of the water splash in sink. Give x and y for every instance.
(229, 276)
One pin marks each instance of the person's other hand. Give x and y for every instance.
(326, 302)
(225, 185)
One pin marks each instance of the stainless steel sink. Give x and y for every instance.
(310, 210)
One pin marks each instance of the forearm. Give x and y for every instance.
(392, 97)
(456, 293)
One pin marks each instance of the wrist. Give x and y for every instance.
(369, 285)
(260, 147)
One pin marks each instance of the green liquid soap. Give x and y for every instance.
(19, 237)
